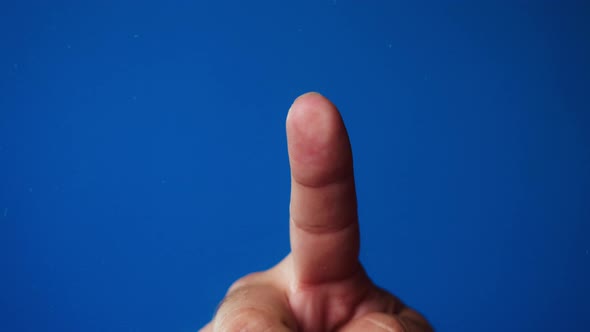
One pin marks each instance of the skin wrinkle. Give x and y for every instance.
(412, 318)
(336, 296)
(293, 324)
(325, 208)
(235, 314)
(244, 324)
(320, 229)
(381, 325)
(340, 174)
(360, 310)
(403, 324)
(390, 304)
(237, 302)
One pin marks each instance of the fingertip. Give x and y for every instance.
(307, 109)
(319, 149)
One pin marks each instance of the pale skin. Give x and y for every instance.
(320, 286)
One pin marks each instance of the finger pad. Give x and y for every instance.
(319, 149)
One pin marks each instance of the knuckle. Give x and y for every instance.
(414, 325)
(386, 323)
(244, 281)
(245, 320)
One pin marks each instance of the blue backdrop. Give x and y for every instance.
(143, 162)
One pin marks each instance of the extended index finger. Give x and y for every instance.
(324, 224)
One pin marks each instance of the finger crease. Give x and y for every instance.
(381, 325)
(319, 229)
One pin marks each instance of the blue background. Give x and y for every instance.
(143, 162)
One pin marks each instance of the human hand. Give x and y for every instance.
(321, 285)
